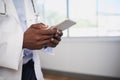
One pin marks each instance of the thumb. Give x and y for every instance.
(40, 26)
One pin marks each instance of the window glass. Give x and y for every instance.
(84, 13)
(109, 7)
(109, 17)
(93, 17)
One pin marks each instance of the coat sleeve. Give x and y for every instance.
(11, 39)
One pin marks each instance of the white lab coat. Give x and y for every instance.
(11, 39)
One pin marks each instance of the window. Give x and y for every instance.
(93, 17)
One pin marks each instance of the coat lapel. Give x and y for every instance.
(10, 8)
(30, 15)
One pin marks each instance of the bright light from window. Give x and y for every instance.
(93, 17)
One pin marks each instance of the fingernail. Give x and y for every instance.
(56, 35)
(46, 26)
(52, 39)
(58, 31)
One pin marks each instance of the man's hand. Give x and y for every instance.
(56, 38)
(36, 37)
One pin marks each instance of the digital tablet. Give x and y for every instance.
(64, 24)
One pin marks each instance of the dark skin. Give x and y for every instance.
(37, 37)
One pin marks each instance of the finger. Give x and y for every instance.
(56, 36)
(47, 32)
(45, 37)
(59, 32)
(39, 26)
(51, 45)
(38, 47)
(54, 41)
(43, 42)
(43, 26)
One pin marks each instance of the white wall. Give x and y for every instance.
(85, 55)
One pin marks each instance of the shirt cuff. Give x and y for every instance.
(48, 50)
